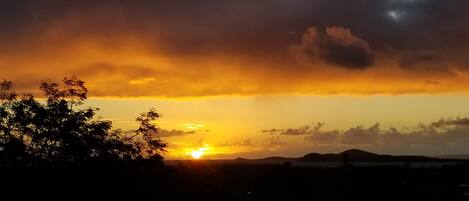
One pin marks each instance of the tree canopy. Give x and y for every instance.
(58, 127)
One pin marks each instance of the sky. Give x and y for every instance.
(239, 78)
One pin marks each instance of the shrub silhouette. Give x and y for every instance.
(60, 129)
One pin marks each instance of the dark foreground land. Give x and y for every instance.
(199, 180)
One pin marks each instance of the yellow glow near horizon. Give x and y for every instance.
(232, 127)
(192, 126)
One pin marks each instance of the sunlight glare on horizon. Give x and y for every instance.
(198, 153)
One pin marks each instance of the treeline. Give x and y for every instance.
(57, 127)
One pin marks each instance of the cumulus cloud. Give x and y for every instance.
(336, 46)
(444, 136)
(174, 132)
(451, 122)
(296, 131)
(270, 130)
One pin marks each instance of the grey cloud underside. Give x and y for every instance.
(264, 29)
(441, 137)
(336, 46)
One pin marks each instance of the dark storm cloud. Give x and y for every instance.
(259, 27)
(51, 39)
(411, 59)
(336, 46)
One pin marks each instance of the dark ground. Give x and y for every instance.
(202, 181)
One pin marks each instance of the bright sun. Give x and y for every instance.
(196, 154)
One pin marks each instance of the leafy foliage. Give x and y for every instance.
(61, 129)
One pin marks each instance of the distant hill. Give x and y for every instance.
(356, 155)
(353, 154)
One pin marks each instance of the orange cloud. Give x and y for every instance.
(126, 49)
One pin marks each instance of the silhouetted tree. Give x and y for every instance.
(61, 129)
(148, 130)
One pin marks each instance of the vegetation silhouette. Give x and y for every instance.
(60, 129)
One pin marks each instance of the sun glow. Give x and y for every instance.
(192, 126)
(198, 153)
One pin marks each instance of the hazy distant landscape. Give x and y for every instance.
(356, 157)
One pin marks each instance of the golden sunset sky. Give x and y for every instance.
(257, 78)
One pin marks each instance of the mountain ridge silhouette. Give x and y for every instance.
(355, 155)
